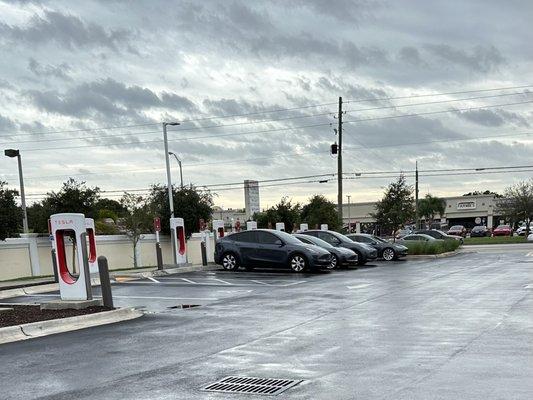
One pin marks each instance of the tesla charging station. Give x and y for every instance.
(280, 226)
(218, 228)
(324, 227)
(73, 226)
(251, 225)
(91, 232)
(178, 225)
(304, 227)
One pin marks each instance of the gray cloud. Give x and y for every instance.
(497, 117)
(107, 98)
(6, 123)
(480, 58)
(67, 30)
(60, 71)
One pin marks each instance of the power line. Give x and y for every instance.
(251, 122)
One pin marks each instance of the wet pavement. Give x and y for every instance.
(453, 328)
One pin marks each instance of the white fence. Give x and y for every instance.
(30, 255)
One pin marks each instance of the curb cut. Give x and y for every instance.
(44, 328)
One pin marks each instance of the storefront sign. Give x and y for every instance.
(466, 205)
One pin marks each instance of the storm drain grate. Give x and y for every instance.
(250, 385)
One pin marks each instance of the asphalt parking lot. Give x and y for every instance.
(451, 328)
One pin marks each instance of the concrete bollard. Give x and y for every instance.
(204, 253)
(105, 283)
(159, 256)
(54, 265)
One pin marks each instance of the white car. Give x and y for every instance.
(521, 231)
(530, 237)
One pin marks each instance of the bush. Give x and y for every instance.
(433, 247)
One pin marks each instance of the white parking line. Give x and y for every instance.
(530, 254)
(220, 280)
(361, 286)
(291, 284)
(261, 283)
(153, 280)
(188, 280)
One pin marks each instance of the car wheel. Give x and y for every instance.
(230, 262)
(389, 254)
(334, 262)
(298, 263)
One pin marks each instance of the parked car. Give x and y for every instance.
(530, 237)
(386, 250)
(521, 231)
(480, 231)
(267, 247)
(402, 232)
(364, 252)
(457, 230)
(419, 237)
(340, 256)
(438, 234)
(502, 230)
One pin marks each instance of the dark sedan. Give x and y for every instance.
(480, 231)
(340, 255)
(438, 234)
(386, 250)
(268, 248)
(364, 252)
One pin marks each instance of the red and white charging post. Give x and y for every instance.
(158, 252)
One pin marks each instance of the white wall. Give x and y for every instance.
(15, 261)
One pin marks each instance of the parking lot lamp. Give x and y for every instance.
(179, 163)
(169, 186)
(16, 153)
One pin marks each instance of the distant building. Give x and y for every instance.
(460, 210)
(251, 197)
(229, 216)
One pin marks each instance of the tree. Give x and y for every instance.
(517, 202)
(396, 207)
(136, 221)
(10, 213)
(73, 197)
(430, 206)
(480, 193)
(284, 211)
(189, 204)
(110, 205)
(320, 210)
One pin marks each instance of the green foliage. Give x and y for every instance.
(517, 203)
(432, 247)
(480, 193)
(103, 228)
(73, 197)
(10, 213)
(189, 204)
(496, 240)
(105, 213)
(430, 206)
(396, 207)
(111, 205)
(137, 220)
(284, 211)
(320, 210)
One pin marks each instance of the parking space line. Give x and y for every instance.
(153, 280)
(291, 284)
(220, 280)
(261, 283)
(188, 280)
(137, 297)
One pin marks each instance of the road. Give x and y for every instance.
(452, 328)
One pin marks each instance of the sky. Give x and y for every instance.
(84, 87)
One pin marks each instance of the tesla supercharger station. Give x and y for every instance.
(251, 225)
(73, 226)
(280, 226)
(218, 228)
(180, 242)
(324, 227)
(91, 239)
(304, 227)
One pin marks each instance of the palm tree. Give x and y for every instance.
(430, 206)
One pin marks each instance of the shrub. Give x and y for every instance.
(419, 248)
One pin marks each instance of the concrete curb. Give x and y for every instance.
(169, 271)
(432, 256)
(61, 325)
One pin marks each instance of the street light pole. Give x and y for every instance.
(169, 186)
(16, 153)
(349, 215)
(179, 163)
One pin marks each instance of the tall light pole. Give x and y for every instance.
(179, 163)
(169, 186)
(349, 215)
(16, 153)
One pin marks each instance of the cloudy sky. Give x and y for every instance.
(271, 72)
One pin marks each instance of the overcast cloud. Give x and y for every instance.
(69, 66)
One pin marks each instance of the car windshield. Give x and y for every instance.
(503, 227)
(378, 239)
(287, 238)
(318, 242)
(341, 237)
(456, 227)
(478, 228)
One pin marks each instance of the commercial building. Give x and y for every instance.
(460, 210)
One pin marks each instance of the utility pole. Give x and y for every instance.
(16, 153)
(349, 215)
(169, 186)
(339, 163)
(417, 219)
